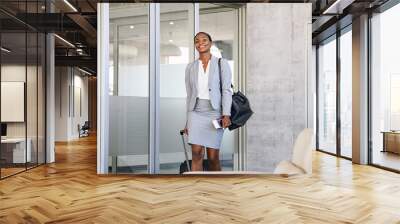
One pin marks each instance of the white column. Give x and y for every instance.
(50, 98)
(102, 84)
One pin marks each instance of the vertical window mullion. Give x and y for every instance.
(338, 81)
(317, 96)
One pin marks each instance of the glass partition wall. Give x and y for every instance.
(385, 89)
(175, 48)
(22, 88)
(334, 111)
(139, 102)
(129, 88)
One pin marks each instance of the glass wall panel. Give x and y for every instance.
(22, 107)
(176, 40)
(14, 153)
(129, 88)
(221, 22)
(385, 84)
(346, 93)
(31, 100)
(327, 96)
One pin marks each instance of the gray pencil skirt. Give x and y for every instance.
(200, 127)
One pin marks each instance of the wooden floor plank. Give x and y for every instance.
(70, 191)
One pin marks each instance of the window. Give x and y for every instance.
(385, 89)
(327, 96)
(346, 93)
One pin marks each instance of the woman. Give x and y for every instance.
(206, 102)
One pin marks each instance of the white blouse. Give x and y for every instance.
(203, 81)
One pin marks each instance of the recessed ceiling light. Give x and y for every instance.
(5, 50)
(65, 41)
(84, 71)
(131, 27)
(171, 23)
(171, 41)
(70, 5)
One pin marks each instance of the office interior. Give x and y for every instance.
(27, 59)
(28, 45)
(92, 99)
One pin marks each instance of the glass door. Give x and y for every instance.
(150, 46)
(225, 34)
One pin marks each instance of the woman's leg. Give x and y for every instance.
(197, 157)
(213, 159)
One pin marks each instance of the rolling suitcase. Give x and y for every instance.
(187, 164)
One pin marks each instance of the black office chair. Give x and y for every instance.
(84, 130)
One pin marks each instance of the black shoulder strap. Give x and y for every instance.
(220, 80)
(219, 72)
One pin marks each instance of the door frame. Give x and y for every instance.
(154, 84)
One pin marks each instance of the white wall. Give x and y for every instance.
(70, 83)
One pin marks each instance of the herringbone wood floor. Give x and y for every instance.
(69, 191)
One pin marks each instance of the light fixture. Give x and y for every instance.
(171, 23)
(64, 40)
(84, 71)
(171, 41)
(131, 26)
(5, 50)
(337, 7)
(43, 7)
(70, 5)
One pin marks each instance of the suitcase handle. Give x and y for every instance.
(182, 132)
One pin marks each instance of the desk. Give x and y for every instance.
(17, 150)
(391, 141)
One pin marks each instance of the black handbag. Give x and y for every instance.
(240, 110)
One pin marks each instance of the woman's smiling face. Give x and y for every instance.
(202, 43)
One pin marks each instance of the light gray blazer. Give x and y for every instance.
(217, 99)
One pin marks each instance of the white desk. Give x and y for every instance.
(19, 153)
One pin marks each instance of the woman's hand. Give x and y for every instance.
(185, 130)
(226, 121)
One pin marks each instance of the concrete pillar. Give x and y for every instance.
(360, 90)
(278, 50)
